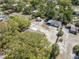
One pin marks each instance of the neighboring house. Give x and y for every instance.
(54, 23)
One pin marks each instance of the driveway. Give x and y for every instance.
(49, 31)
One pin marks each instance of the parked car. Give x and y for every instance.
(54, 23)
(73, 30)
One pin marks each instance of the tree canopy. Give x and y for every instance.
(55, 51)
(29, 45)
(75, 2)
(17, 44)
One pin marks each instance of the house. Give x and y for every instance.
(54, 23)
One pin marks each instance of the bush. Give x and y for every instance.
(76, 50)
(19, 7)
(60, 33)
(55, 51)
(29, 45)
(27, 10)
(7, 6)
(19, 23)
(22, 45)
(75, 2)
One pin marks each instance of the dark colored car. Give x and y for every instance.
(54, 23)
(73, 31)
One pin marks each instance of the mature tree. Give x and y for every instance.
(27, 45)
(41, 11)
(3, 27)
(8, 4)
(22, 45)
(11, 27)
(47, 10)
(34, 4)
(9, 1)
(68, 15)
(65, 2)
(65, 11)
(51, 11)
(75, 2)
(27, 10)
(19, 22)
(55, 51)
(19, 7)
(59, 34)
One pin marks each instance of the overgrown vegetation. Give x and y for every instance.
(17, 44)
(76, 50)
(75, 2)
(61, 10)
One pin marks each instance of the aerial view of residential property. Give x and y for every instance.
(39, 29)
